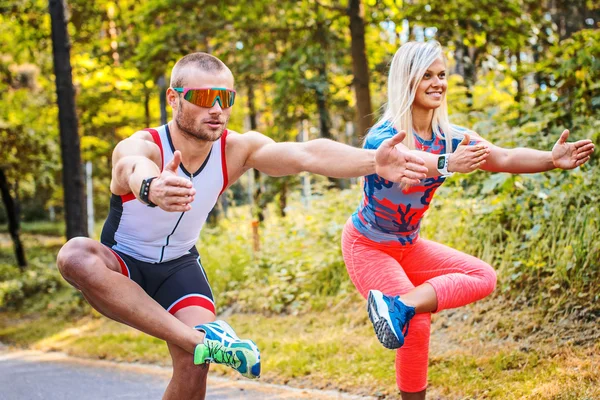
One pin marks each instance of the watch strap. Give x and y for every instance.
(145, 192)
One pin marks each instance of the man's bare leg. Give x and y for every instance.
(92, 268)
(189, 380)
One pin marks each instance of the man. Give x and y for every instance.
(146, 271)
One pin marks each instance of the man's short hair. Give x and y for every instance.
(201, 61)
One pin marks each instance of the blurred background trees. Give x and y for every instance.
(317, 61)
(522, 70)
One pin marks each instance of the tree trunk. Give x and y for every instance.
(162, 87)
(224, 205)
(283, 199)
(258, 212)
(570, 16)
(471, 74)
(147, 107)
(69, 138)
(459, 56)
(13, 220)
(360, 67)
(324, 119)
(519, 79)
(322, 85)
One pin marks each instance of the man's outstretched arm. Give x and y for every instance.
(332, 159)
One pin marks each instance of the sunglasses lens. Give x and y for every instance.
(208, 97)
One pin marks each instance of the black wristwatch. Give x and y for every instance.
(145, 191)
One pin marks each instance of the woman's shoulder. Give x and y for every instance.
(457, 130)
(378, 133)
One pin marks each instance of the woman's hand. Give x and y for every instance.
(570, 155)
(468, 158)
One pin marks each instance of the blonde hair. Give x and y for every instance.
(409, 64)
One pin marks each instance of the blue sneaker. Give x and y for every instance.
(390, 317)
(222, 346)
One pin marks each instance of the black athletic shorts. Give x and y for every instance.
(174, 284)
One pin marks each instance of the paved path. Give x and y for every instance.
(31, 375)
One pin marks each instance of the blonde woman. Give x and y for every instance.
(406, 277)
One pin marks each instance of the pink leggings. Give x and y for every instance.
(457, 278)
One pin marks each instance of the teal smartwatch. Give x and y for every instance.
(442, 165)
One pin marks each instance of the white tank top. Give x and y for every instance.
(154, 235)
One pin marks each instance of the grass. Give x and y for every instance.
(335, 349)
(50, 228)
(506, 347)
(535, 374)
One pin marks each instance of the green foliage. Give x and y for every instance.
(40, 288)
(28, 131)
(39, 228)
(299, 264)
(571, 75)
(295, 58)
(515, 83)
(17, 287)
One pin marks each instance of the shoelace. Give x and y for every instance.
(401, 308)
(228, 358)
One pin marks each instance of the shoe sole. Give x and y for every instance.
(251, 358)
(255, 368)
(379, 316)
(254, 371)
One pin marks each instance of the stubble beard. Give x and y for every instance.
(193, 129)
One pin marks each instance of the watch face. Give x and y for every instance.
(441, 162)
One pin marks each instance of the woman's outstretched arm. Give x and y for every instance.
(522, 160)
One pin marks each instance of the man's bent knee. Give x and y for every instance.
(76, 260)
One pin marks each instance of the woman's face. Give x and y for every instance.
(432, 89)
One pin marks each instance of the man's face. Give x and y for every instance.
(202, 123)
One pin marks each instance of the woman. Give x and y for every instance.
(405, 277)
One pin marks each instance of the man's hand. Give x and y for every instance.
(170, 191)
(397, 165)
(468, 158)
(570, 155)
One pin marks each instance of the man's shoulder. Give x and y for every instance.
(141, 134)
(250, 139)
(233, 136)
(138, 143)
(243, 136)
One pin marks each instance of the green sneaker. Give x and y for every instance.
(222, 346)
